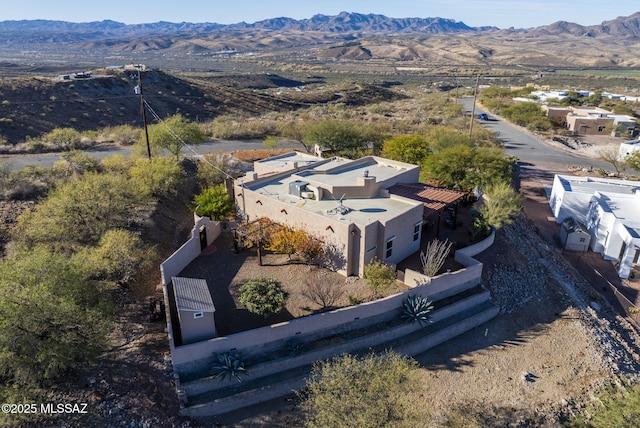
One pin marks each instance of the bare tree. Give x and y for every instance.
(322, 290)
(434, 256)
(611, 155)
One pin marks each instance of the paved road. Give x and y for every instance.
(48, 159)
(526, 146)
(517, 142)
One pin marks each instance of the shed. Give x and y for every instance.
(574, 236)
(195, 309)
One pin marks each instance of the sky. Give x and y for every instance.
(475, 13)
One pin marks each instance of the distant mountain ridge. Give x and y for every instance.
(346, 36)
(343, 22)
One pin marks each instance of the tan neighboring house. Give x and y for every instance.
(345, 203)
(592, 120)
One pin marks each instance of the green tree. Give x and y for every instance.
(443, 137)
(75, 163)
(64, 138)
(263, 296)
(379, 276)
(51, 318)
(172, 135)
(406, 148)
(158, 177)
(451, 166)
(368, 392)
(611, 155)
(215, 202)
(271, 142)
(500, 205)
(120, 257)
(467, 168)
(527, 114)
(79, 211)
(336, 135)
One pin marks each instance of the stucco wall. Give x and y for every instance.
(192, 357)
(173, 265)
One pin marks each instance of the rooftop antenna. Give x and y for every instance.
(340, 208)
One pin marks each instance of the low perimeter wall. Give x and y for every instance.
(189, 250)
(193, 357)
(451, 283)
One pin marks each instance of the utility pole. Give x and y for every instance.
(473, 107)
(144, 112)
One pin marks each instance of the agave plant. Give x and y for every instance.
(228, 365)
(417, 309)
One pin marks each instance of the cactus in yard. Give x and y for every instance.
(228, 365)
(417, 309)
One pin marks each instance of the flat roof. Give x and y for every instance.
(601, 185)
(339, 172)
(287, 159)
(345, 173)
(192, 294)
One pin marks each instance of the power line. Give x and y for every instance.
(184, 143)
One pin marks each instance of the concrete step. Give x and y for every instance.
(339, 343)
(224, 400)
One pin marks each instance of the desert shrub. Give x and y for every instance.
(74, 163)
(215, 202)
(263, 296)
(379, 276)
(322, 290)
(215, 169)
(79, 211)
(123, 135)
(364, 392)
(119, 164)
(120, 257)
(63, 138)
(159, 176)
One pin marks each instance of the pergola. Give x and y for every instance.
(435, 200)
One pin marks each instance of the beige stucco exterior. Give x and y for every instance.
(344, 204)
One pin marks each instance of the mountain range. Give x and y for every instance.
(612, 43)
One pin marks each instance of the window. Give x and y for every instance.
(389, 248)
(601, 128)
(197, 315)
(416, 231)
(582, 239)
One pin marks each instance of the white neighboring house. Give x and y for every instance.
(609, 208)
(628, 147)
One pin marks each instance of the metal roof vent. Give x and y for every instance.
(365, 172)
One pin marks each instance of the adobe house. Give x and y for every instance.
(610, 210)
(195, 309)
(344, 203)
(597, 121)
